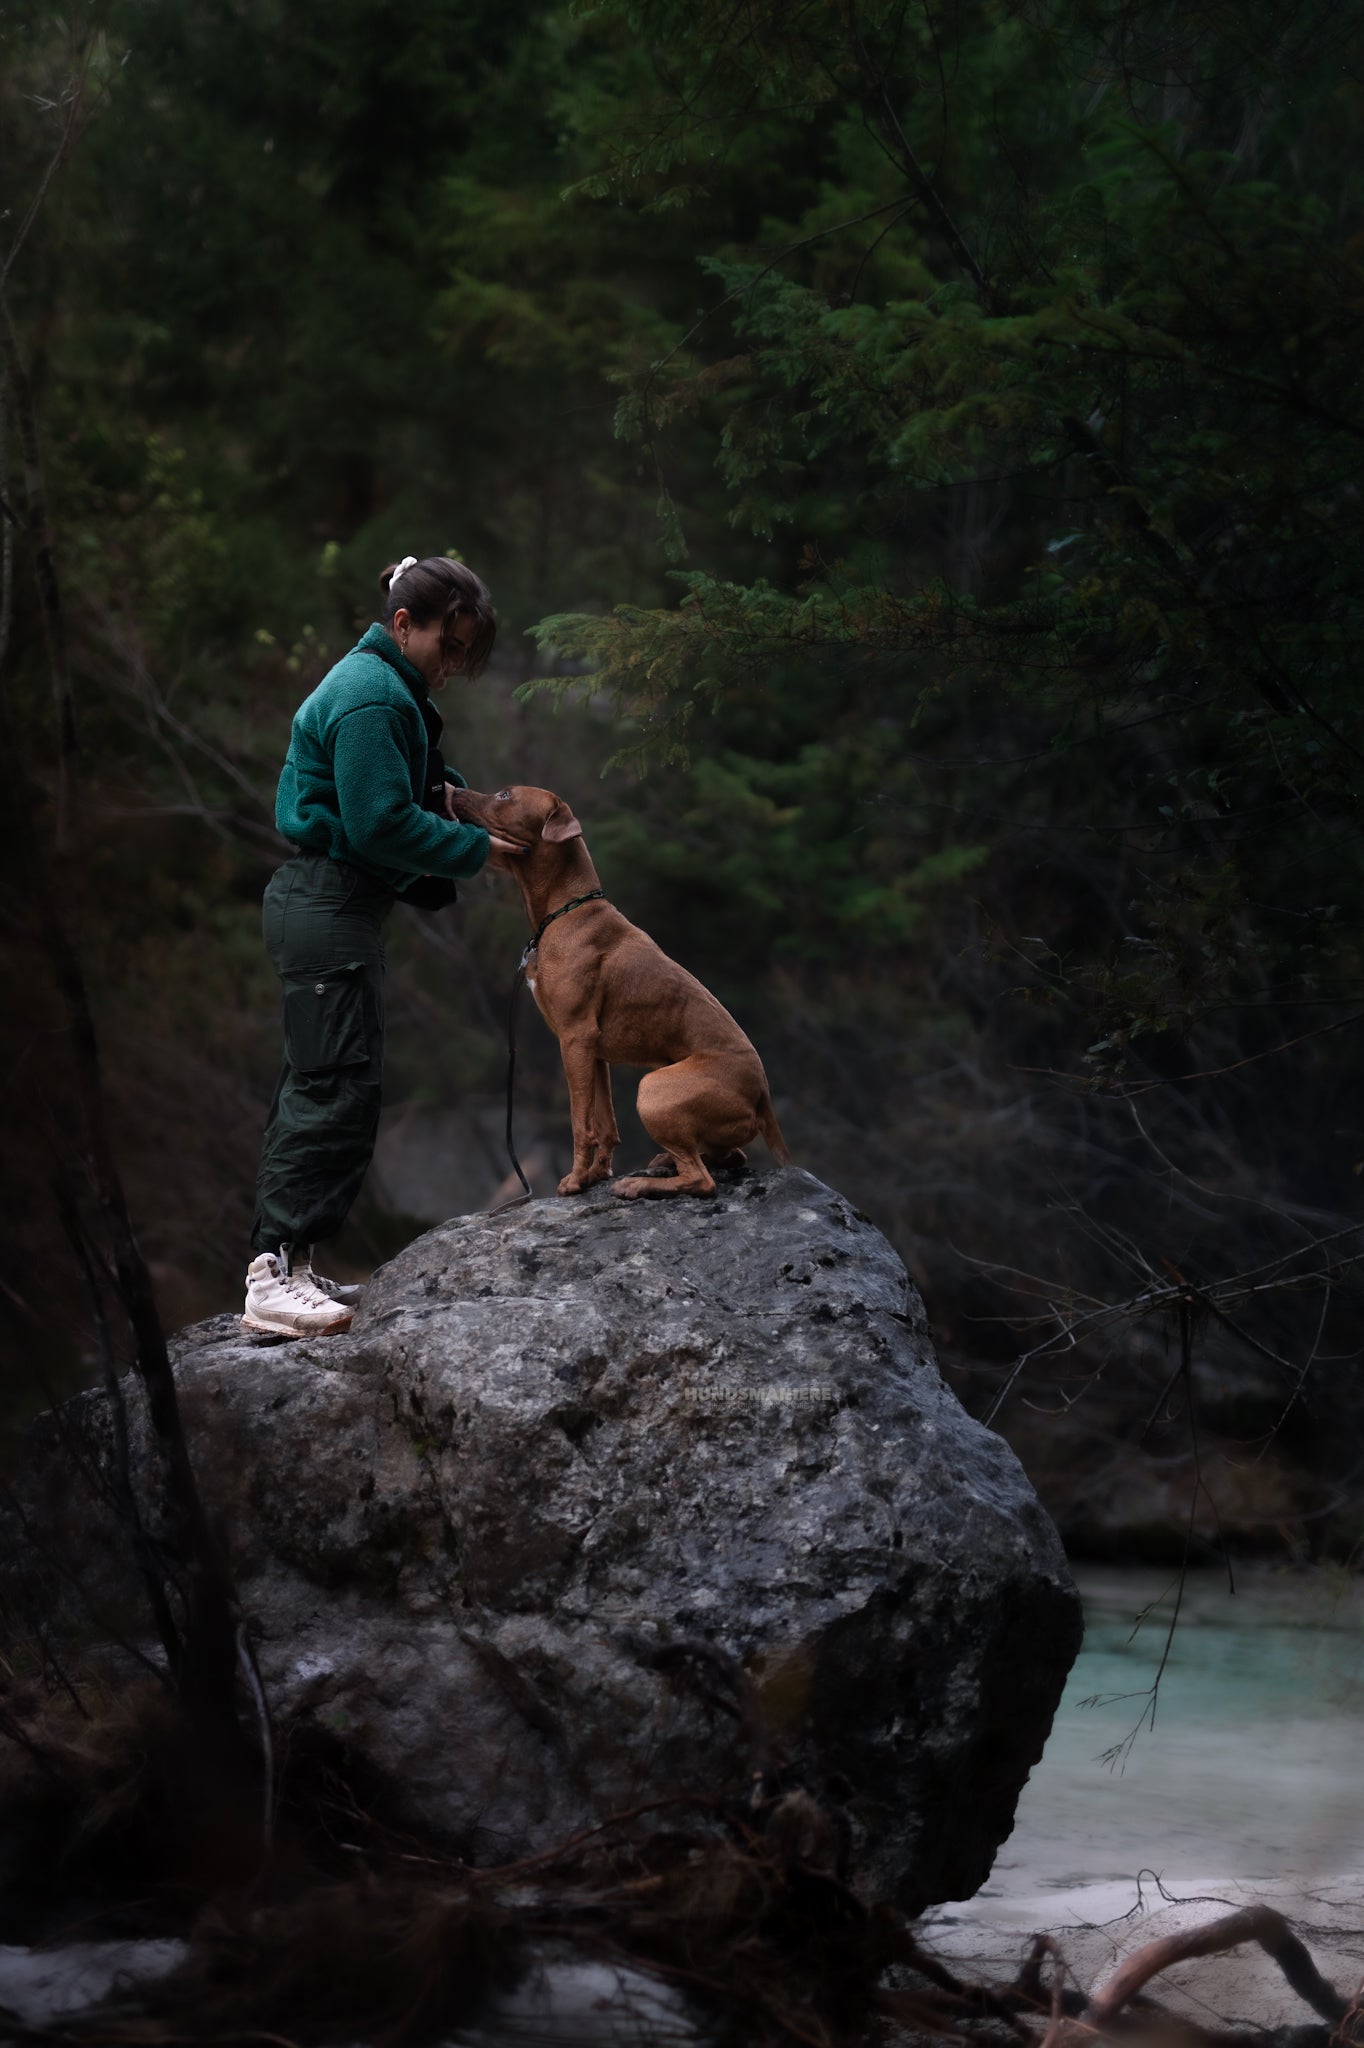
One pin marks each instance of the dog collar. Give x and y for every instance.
(562, 911)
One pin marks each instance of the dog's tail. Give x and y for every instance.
(771, 1130)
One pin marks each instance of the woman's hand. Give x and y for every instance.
(502, 852)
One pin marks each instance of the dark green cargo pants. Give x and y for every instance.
(323, 926)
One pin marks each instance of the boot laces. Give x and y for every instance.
(301, 1285)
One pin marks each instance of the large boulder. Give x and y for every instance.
(598, 1503)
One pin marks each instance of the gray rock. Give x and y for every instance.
(43, 1986)
(598, 1503)
(562, 2001)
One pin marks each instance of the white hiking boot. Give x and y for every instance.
(289, 1304)
(347, 1293)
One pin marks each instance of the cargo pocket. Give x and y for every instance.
(324, 1020)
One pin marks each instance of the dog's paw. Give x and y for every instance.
(636, 1186)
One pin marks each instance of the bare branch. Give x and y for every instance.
(78, 111)
(1254, 1923)
(883, 107)
(7, 535)
(39, 531)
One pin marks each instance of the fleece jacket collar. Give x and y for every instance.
(380, 642)
(386, 647)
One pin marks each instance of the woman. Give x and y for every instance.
(365, 798)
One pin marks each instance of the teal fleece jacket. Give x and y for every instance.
(356, 767)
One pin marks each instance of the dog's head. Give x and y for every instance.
(531, 817)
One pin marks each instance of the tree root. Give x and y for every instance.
(1253, 1923)
(1040, 2007)
(359, 1929)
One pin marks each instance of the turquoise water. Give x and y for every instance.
(1253, 1766)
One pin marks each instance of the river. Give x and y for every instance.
(1248, 1784)
(1253, 1765)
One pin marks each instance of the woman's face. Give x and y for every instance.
(423, 645)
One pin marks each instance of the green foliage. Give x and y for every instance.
(987, 379)
(1123, 339)
(300, 298)
(780, 860)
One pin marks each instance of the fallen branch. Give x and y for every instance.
(1253, 1923)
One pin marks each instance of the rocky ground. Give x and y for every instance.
(598, 1503)
(659, 1508)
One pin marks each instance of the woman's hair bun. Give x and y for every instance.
(440, 588)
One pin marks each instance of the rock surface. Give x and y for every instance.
(599, 1502)
(41, 1987)
(561, 2001)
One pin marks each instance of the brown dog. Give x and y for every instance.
(611, 996)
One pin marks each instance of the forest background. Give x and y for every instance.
(915, 452)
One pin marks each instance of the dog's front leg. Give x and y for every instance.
(580, 1070)
(605, 1130)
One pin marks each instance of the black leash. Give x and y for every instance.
(516, 1201)
(513, 1201)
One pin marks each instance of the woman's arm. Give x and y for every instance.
(379, 816)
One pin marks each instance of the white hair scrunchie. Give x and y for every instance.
(407, 562)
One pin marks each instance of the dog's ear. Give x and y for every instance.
(561, 823)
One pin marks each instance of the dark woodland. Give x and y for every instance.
(915, 452)
(916, 458)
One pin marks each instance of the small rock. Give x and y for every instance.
(41, 1986)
